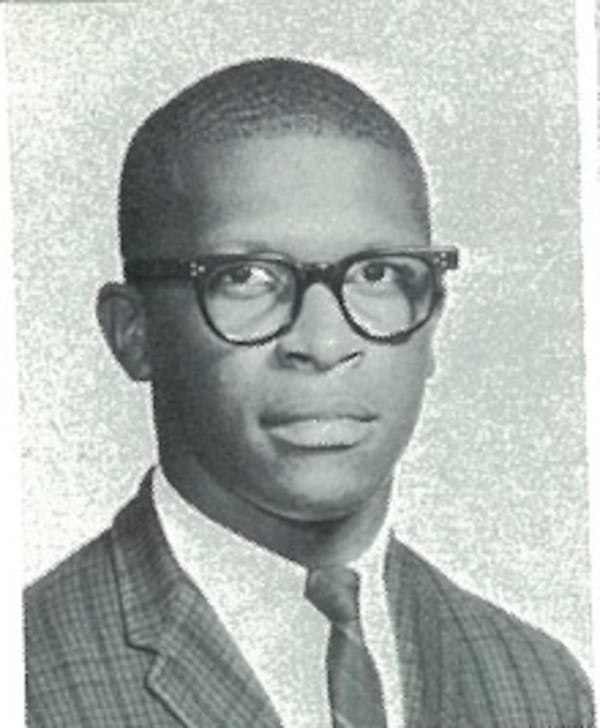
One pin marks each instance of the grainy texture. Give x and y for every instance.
(120, 635)
(493, 487)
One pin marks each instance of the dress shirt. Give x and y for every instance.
(259, 597)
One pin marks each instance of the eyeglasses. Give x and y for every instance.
(250, 300)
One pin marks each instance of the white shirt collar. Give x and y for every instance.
(276, 629)
(211, 540)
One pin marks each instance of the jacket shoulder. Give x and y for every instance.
(70, 610)
(506, 667)
(79, 666)
(72, 568)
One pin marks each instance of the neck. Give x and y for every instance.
(310, 543)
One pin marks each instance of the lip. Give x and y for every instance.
(322, 434)
(316, 406)
(327, 426)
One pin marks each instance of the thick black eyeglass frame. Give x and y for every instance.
(331, 275)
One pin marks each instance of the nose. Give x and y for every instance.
(320, 339)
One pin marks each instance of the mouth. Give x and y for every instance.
(323, 434)
(321, 430)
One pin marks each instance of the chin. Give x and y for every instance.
(322, 508)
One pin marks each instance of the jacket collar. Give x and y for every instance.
(198, 672)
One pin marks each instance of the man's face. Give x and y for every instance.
(309, 425)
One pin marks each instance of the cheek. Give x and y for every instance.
(229, 389)
(400, 381)
(209, 382)
(407, 365)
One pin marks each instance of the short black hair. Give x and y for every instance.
(267, 97)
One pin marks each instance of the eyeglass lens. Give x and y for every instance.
(383, 296)
(386, 296)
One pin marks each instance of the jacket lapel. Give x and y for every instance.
(427, 648)
(198, 672)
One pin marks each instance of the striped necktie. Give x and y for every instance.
(355, 694)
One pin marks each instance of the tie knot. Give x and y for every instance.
(334, 592)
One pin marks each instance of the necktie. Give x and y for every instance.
(355, 694)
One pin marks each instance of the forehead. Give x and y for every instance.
(299, 190)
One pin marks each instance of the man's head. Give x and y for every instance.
(280, 159)
(267, 98)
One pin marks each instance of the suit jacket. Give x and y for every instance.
(118, 637)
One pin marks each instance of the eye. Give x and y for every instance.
(376, 272)
(381, 274)
(245, 280)
(245, 275)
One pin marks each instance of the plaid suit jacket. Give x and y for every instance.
(118, 637)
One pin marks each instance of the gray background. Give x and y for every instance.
(493, 487)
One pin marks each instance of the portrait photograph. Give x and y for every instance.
(300, 363)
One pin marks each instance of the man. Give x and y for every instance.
(281, 298)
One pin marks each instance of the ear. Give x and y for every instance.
(122, 319)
